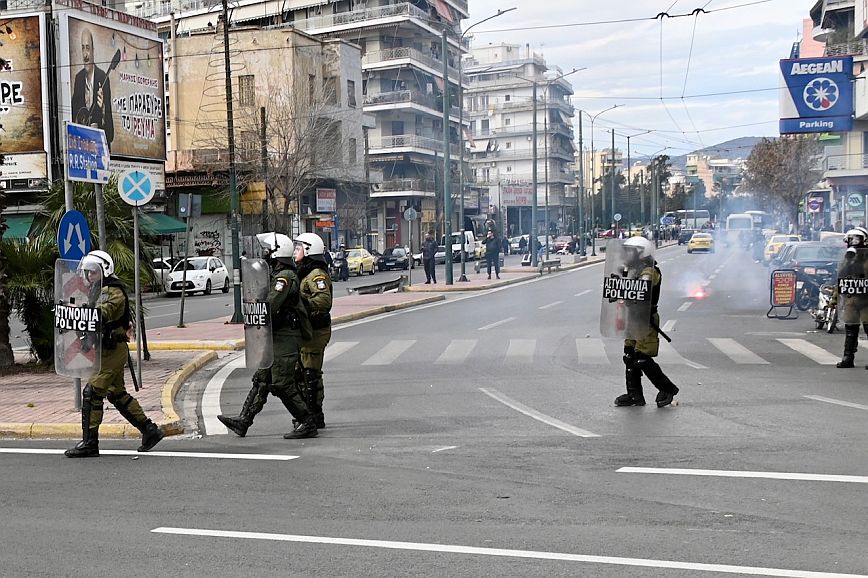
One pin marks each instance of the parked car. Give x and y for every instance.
(700, 242)
(360, 261)
(439, 257)
(162, 268)
(560, 243)
(810, 257)
(775, 243)
(203, 274)
(394, 258)
(783, 254)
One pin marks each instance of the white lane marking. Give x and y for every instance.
(521, 349)
(669, 355)
(669, 325)
(497, 323)
(837, 402)
(592, 351)
(740, 474)
(336, 348)
(175, 314)
(685, 306)
(390, 352)
(211, 397)
(503, 553)
(736, 351)
(457, 351)
(206, 455)
(712, 276)
(811, 351)
(443, 449)
(585, 292)
(160, 306)
(550, 305)
(532, 413)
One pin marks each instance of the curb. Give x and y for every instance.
(172, 425)
(385, 309)
(228, 345)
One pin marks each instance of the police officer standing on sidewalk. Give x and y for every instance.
(286, 320)
(854, 308)
(109, 295)
(316, 294)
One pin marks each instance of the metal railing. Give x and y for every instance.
(852, 47)
(407, 96)
(393, 185)
(412, 53)
(410, 141)
(358, 16)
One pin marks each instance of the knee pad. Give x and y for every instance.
(87, 394)
(642, 361)
(119, 401)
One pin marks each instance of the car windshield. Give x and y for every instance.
(818, 253)
(701, 236)
(198, 264)
(354, 253)
(396, 252)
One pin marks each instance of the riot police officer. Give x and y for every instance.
(854, 310)
(108, 294)
(639, 353)
(287, 319)
(316, 293)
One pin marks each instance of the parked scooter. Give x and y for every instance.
(825, 314)
(809, 283)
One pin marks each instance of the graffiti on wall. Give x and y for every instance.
(208, 243)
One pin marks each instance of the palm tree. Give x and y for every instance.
(30, 290)
(7, 358)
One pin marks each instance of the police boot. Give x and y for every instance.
(667, 389)
(851, 342)
(634, 396)
(313, 384)
(88, 447)
(305, 429)
(240, 424)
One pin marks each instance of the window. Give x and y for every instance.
(508, 144)
(330, 90)
(311, 88)
(351, 93)
(506, 98)
(484, 126)
(246, 90)
(509, 169)
(507, 121)
(352, 151)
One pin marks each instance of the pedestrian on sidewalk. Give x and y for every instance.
(316, 294)
(288, 319)
(492, 253)
(108, 294)
(429, 250)
(639, 354)
(522, 245)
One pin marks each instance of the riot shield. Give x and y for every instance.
(853, 286)
(625, 310)
(256, 281)
(77, 320)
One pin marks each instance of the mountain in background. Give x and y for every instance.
(731, 149)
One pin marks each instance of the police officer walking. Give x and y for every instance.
(644, 343)
(854, 310)
(287, 322)
(108, 294)
(316, 294)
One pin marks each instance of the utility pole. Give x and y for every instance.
(581, 191)
(233, 185)
(612, 214)
(447, 189)
(533, 236)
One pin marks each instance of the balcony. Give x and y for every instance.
(541, 105)
(408, 143)
(526, 129)
(851, 48)
(404, 187)
(390, 57)
(373, 102)
(25, 4)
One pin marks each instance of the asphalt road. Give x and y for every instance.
(478, 437)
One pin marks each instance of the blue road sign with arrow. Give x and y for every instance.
(136, 187)
(667, 220)
(73, 236)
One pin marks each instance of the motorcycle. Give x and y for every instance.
(809, 283)
(825, 314)
(339, 269)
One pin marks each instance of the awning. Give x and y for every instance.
(439, 82)
(444, 11)
(469, 138)
(18, 226)
(161, 224)
(256, 11)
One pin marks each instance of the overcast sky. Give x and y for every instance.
(735, 50)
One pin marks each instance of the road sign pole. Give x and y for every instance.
(100, 216)
(138, 288)
(76, 382)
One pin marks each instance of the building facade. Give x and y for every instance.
(500, 109)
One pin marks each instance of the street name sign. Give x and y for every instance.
(87, 154)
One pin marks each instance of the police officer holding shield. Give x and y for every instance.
(287, 318)
(631, 292)
(316, 293)
(854, 301)
(109, 296)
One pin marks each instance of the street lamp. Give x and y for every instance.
(629, 176)
(461, 138)
(655, 178)
(593, 176)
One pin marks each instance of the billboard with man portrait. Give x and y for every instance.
(115, 82)
(23, 133)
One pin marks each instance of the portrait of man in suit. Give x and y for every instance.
(91, 92)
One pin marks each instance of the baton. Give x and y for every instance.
(132, 371)
(660, 331)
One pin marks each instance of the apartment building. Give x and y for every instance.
(402, 84)
(498, 103)
(714, 176)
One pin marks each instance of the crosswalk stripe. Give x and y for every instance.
(390, 352)
(685, 306)
(521, 349)
(457, 351)
(669, 355)
(736, 351)
(811, 351)
(592, 352)
(338, 347)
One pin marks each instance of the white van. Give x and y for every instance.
(469, 244)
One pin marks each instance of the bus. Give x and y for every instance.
(690, 219)
(739, 230)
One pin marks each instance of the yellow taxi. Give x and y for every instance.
(359, 261)
(775, 243)
(700, 242)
